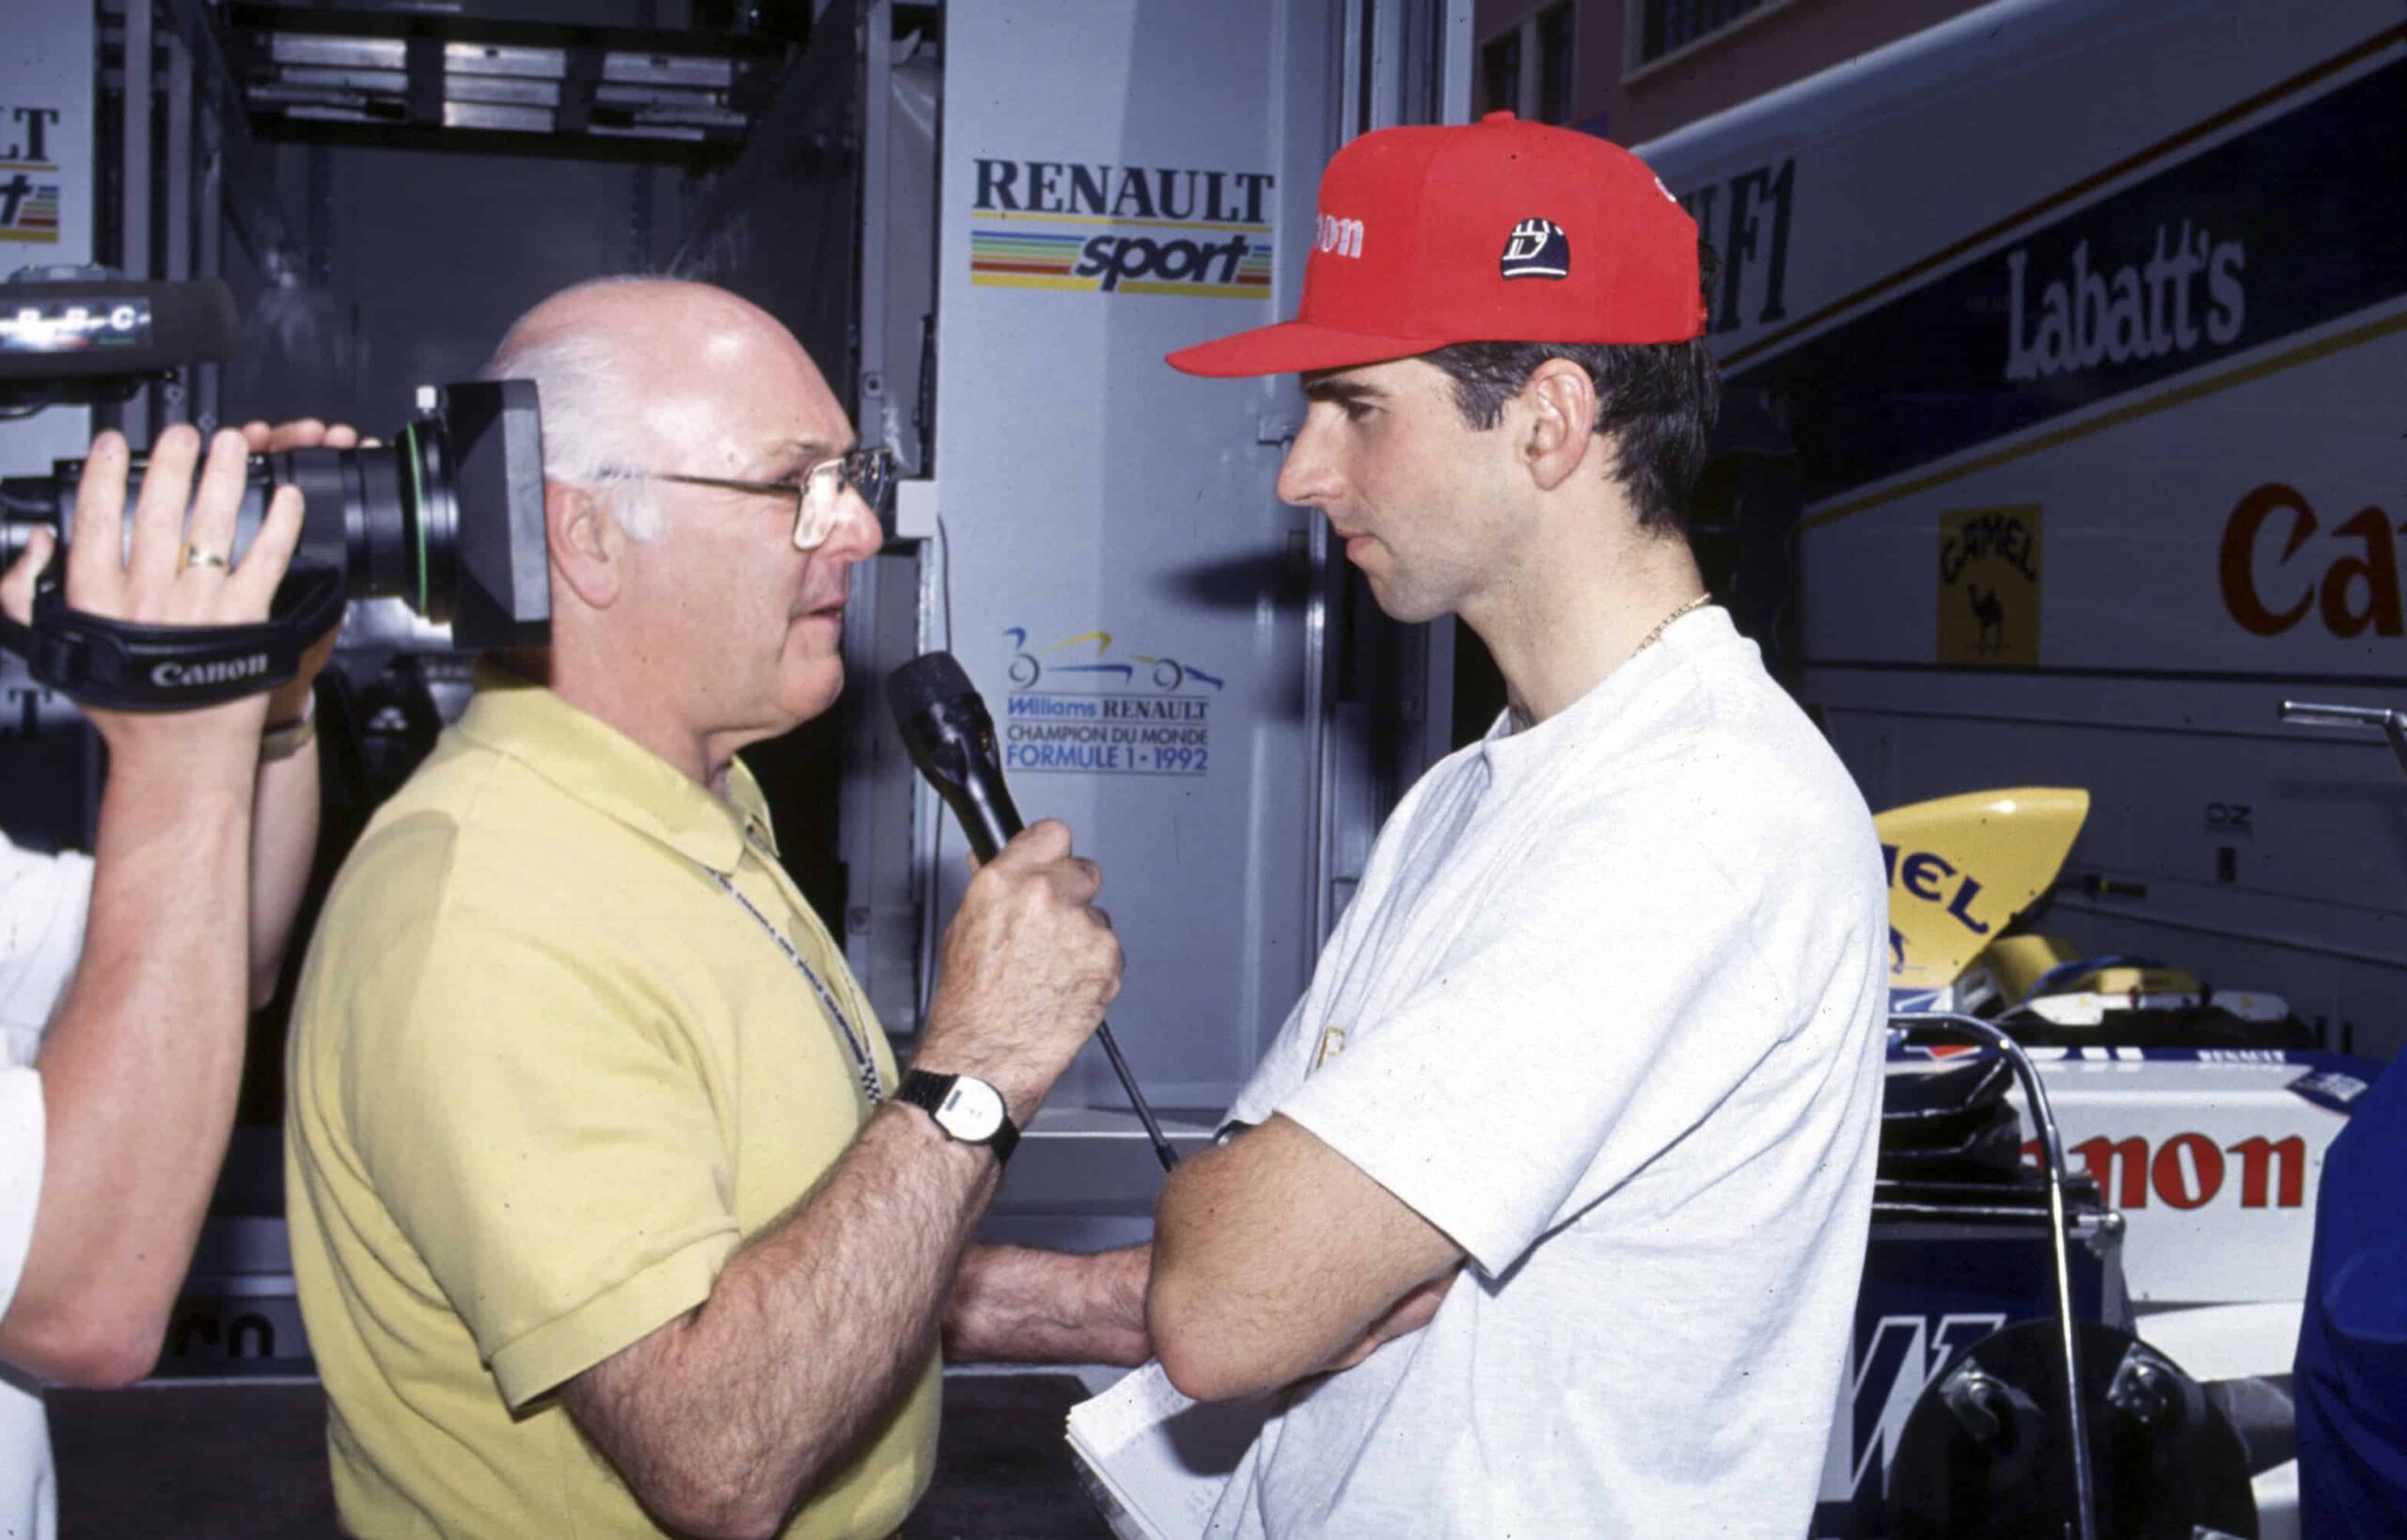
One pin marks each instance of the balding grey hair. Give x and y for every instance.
(590, 413)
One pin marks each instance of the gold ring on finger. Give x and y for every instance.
(196, 557)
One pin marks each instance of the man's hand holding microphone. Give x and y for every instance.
(1029, 965)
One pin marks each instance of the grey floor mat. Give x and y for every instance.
(247, 1462)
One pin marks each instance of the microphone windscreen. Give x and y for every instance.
(192, 321)
(196, 320)
(925, 680)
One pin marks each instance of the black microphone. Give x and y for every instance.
(81, 338)
(951, 738)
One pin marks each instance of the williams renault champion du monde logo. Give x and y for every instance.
(1537, 248)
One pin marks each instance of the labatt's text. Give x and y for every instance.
(2090, 315)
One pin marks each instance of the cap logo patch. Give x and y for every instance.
(1340, 237)
(1537, 248)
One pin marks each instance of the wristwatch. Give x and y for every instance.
(968, 1110)
(282, 740)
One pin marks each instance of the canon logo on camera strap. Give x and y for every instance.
(192, 675)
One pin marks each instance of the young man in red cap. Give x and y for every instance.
(1602, 1023)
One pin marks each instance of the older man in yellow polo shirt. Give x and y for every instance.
(610, 1210)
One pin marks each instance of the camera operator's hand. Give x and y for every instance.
(173, 572)
(1028, 966)
(288, 702)
(303, 433)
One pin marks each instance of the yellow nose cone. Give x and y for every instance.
(1963, 866)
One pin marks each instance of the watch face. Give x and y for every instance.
(972, 1111)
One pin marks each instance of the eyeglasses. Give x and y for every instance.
(818, 498)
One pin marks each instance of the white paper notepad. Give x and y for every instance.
(1156, 1461)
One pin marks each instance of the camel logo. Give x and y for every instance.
(1989, 586)
(1537, 248)
(1989, 616)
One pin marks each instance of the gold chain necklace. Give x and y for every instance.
(1697, 603)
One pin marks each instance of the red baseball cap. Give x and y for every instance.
(1493, 231)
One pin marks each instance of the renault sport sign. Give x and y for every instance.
(1121, 230)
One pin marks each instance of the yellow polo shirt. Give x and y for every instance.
(545, 1075)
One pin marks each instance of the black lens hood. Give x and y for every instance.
(125, 666)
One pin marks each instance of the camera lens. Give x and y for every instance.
(448, 518)
(357, 516)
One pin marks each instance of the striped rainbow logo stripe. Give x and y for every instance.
(998, 253)
(1126, 256)
(37, 217)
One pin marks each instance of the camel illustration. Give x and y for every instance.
(1992, 616)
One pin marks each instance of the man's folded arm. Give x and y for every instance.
(1408, 1152)
(1275, 1257)
(1014, 1304)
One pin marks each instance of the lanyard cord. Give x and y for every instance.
(872, 1084)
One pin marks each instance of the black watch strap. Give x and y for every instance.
(925, 1090)
(929, 1092)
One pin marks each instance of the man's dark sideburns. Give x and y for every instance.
(1658, 401)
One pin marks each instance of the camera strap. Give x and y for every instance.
(126, 666)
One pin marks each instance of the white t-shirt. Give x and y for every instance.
(43, 904)
(1605, 1010)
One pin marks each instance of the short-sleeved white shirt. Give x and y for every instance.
(1605, 1010)
(43, 904)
